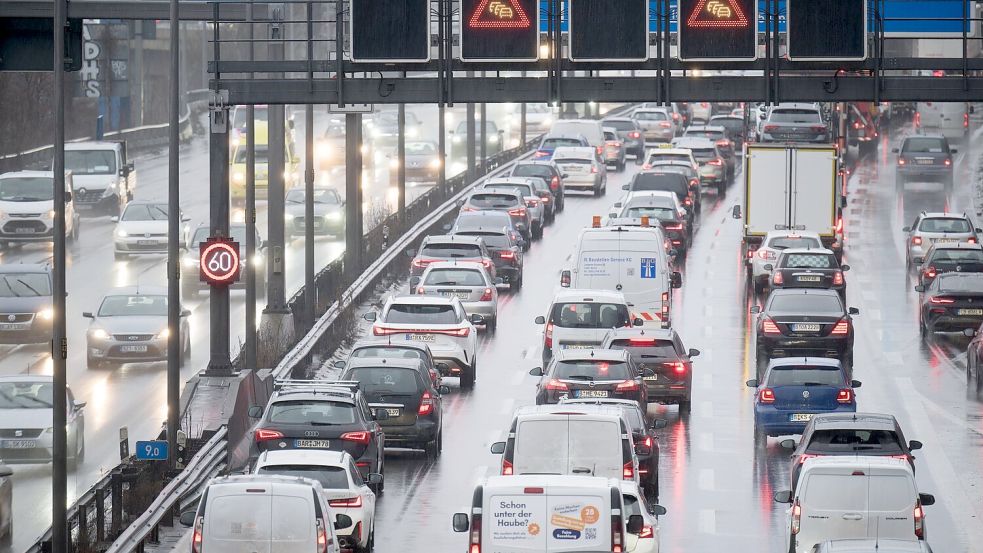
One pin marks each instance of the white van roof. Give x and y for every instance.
(849, 464)
(240, 483)
(550, 481)
(589, 296)
(574, 152)
(545, 411)
(615, 233)
(91, 145)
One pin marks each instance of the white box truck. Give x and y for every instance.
(546, 513)
(791, 187)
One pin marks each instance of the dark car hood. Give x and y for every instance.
(24, 304)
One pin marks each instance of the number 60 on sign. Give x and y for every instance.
(219, 261)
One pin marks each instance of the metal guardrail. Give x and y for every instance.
(176, 495)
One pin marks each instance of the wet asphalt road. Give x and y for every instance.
(716, 486)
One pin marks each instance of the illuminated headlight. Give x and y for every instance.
(258, 260)
(109, 191)
(365, 149)
(238, 178)
(121, 233)
(100, 334)
(547, 121)
(322, 150)
(334, 215)
(394, 164)
(412, 132)
(189, 262)
(50, 215)
(289, 216)
(376, 133)
(164, 334)
(435, 163)
(493, 139)
(514, 143)
(46, 314)
(456, 140)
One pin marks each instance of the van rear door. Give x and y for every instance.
(517, 519)
(892, 506)
(236, 522)
(293, 522)
(579, 520)
(833, 505)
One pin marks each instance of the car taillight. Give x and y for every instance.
(918, 119)
(796, 517)
(593, 169)
(263, 435)
(350, 502)
(544, 198)
(554, 182)
(947, 162)
(617, 538)
(716, 162)
(845, 395)
(916, 240)
(839, 226)
(930, 272)
(196, 538)
(766, 395)
(627, 386)
(965, 120)
(322, 538)
(506, 468)
(901, 161)
(675, 116)
(557, 386)
(818, 128)
(549, 335)
(475, 546)
(778, 278)
(919, 517)
(646, 533)
(674, 226)
(769, 128)
(634, 134)
(532, 203)
(540, 153)
(628, 470)
(677, 367)
(507, 254)
(838, 278)
(841, 328)
(517, 211)
(468, 208)
(487, 263)
(486, 295)
(645, 444)
(766, 254)
(665, 125)
(723, 143)
(426, 404)
(971, 240)
(360, 437)
(941, 300)
(768, 326)
(420, 290)
(688, 201)
(693, 183)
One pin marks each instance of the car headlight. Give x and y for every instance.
(547, 121)
(412, 132)
(190, 262)
(394, 164)
(258, 260)
(121, 233)
(435, 163)
(376, 133)
(493, 139)
(3, 214)
(238, 178)
(49, 430)
(109, 191)
(100, 334)
(46, 314)
(164, 334)
(334, 215)
(50, 214)
(364, 149)
(456, 140)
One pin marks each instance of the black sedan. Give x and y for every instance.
(948, 257)
(804, 322)
(808, 268)
(591, 374)
(953, 302)
(924, 158)
(662, 352)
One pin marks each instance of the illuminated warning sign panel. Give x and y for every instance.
(718, 30)
(500, 30)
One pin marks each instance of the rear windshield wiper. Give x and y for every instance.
(580, 377)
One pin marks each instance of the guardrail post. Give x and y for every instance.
(100, 515)
(83, 522)
(116, 491)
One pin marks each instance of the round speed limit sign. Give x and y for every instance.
(219, 261)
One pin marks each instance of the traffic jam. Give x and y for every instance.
(588, 454)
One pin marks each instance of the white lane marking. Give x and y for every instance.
(507, 406)
(706, 381)
(707, 331)
(479, 473)
(708, 310)
(704, 441)
(706, 409)
(707, 521)
(518, 377)
(706, 480)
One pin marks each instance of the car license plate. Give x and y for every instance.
(13, 326)
(573, 168)
(133, 349)
(458, 295)
(925, 161)
(800, 417)
(422, 337)
(575, 346)
(809, 278)
(805, 327)
(147, 243)
(944, 241)
(322, 444)
(19, 444)
(23, 230)
(590, 393)
(394, 412)
(970, 311)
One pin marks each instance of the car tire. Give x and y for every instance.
(492, 324)
(516, 284)
(620, 167)
(467, 379)
(721, 189)
(369, 543)
(8, 537)
(684, 407)
(537, 231)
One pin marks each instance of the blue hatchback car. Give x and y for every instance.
(796, 388)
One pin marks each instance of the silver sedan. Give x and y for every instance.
(131, 326)
(467, 281)
(26, 432)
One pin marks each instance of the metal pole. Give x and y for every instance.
(469, 142)
(353, 180)
(59, 342)
(309, 288)
(441, 145)
(249, 215)
(483, 132)
(276, 300)
(401, 163)
(219, 362)
(522, 124)
(174, 342)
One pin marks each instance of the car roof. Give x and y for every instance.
(92, 145)
(662, 109)
(547, 162)
(955, 246)
(591, 355)
(714, 128)
(854, 420)
(663, 162)
(587, 296)
(514, 193)
(455, 238)
(601, 401)
(303, 456)
(25, 268)
(417, 299)
(668, 151)
(564, 481)
(849, 462)
(17, 174)
(806, 250)
(943, 215)
(537, 411)
(796, 105)
(380, 362)
(961, 276)
(573, 152)
(235, 482)
(471, 265)
(911, 136)
(27, 378)
(691, 142)
(651, 200)
(137, 290)
(641, 332)
(620, 119)
(807, 361)
(805, 292)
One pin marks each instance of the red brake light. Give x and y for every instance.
(532, 203)
(486, 295)
(557, 386)
(766, 395)
(806, 456)
(838, 278)
(506, 468)
(627, 386)
(600, 150)
(965, 124)
(549, 335)
(917, 240)
(517, 211)
(845, 395)
(665, 125)
(971, 240)
(263, 435)
(796, 517)
(508, 254)
(677, 367)
(468, 208)
(919, 517)
(420, 290)
(766, 254)
(723, 142)
(930, 272)
(693, 183)
(593, 169)
(675, 116)
(901, 161)
(941, 300)
(197, 537)
(647, 532)
(426, 404)
(778, 278)
(841, 329)
(647, 166)
(716, 162)
(475, 546)
(628, 470)
(948, 162)
(554, 182)
(768, 326)
(360, 437)
(540, 153)
(641, 341)
(421, 262)
(674, 226)
(350, 502)
(634, 134)
(769, 128)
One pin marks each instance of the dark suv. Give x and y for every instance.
(501, 241)
(924, 158)
(25, 303)
(307, 414)
(662, 351)
(450, 248)
(546, 170)
(404, 390)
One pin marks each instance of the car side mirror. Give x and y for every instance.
(953, 150)
(411, 252)
(185, 218)
(755, 309)
(255, 411)
(565, 278)
(446, 228)
(769, 267)
(339, 364)
(79, 405)
(460, 522)
(374, 478)
(784, 496)
(693, 352)
(977, 229)
(187, 519)
(540, 320)
(625, 186)
(635, 524)
(617, 204)
(342, 521)
(114, 219)
(788, 444)
(844, 268)
(856, 383)
(381, 415)
(414, 282)
(736, 212)
(657, 510)
(914, 444)
(905, 229)
(498, 448)
(443, 389)
(536, 371)
(752, 383)
(853, 311)
(920, 288)
(477, 319)
(638, 322)
(68, 196)
(676, 279)
(673, 252)
(646, 372)
(969, 332)
(370, 316)
(185, 312)
(926, 499)
(88, 315)
(895, 151)
(564, 175)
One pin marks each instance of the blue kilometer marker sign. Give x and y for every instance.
(152, 451)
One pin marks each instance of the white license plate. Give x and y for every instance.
(394, 412)
(422, 337)
(148, 243)
(323, 444)
(802, 327)
(458, 295)
(13, 326)
(19, 444)
(925, 161)
(590, 393)
(22, 230)
(573, 168)
(800, 417)
(809, 278)
(575, 346)
(944, 240)
(133, 349)
(970, 311)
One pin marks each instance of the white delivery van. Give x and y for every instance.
(264, 514)
(104, 177)
(518, 514)
(950, 119)
(591, 129)
(627, 259)
(844, 497)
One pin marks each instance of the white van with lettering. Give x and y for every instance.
(547, 513)
(630, 260)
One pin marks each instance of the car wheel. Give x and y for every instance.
(467, 379)
(492, 324)
(621, 166)
(721, 189)
(761, 358)
(684, 407)
(7, 537)
(537, 231)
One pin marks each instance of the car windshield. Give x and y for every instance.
(322, 196)
(26, 395)
(554, 143)
(589, 315)
(451, 251)
(90, 162)
(261, 152)
(543, 171)
(656, 157)
(786, 242)
(804, 376)
(26, 189)
(420, 148)
(651, 116)
(732, 124)
(924, 146)
(619, 125)
(944, 224)
(454, 277)
(493, 240)
(316, 412)
(957, 257)
(610, 135)
(848, 440)
(589, 369)
(646, 348)
(422, 314)
(795, 116)
(703, 153)
(685, 170)
(145, 212)
(493, 201)
(385, 380)
(524, 189)
(260, 113)
(238, 235)
(970, 282)
(134, 306)
(331, 478)
(632, 505)
(808, 261)
(826, 304)
(388, 351)
(661, 181)
(660, 213)
(715, 135)
(19, 285)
